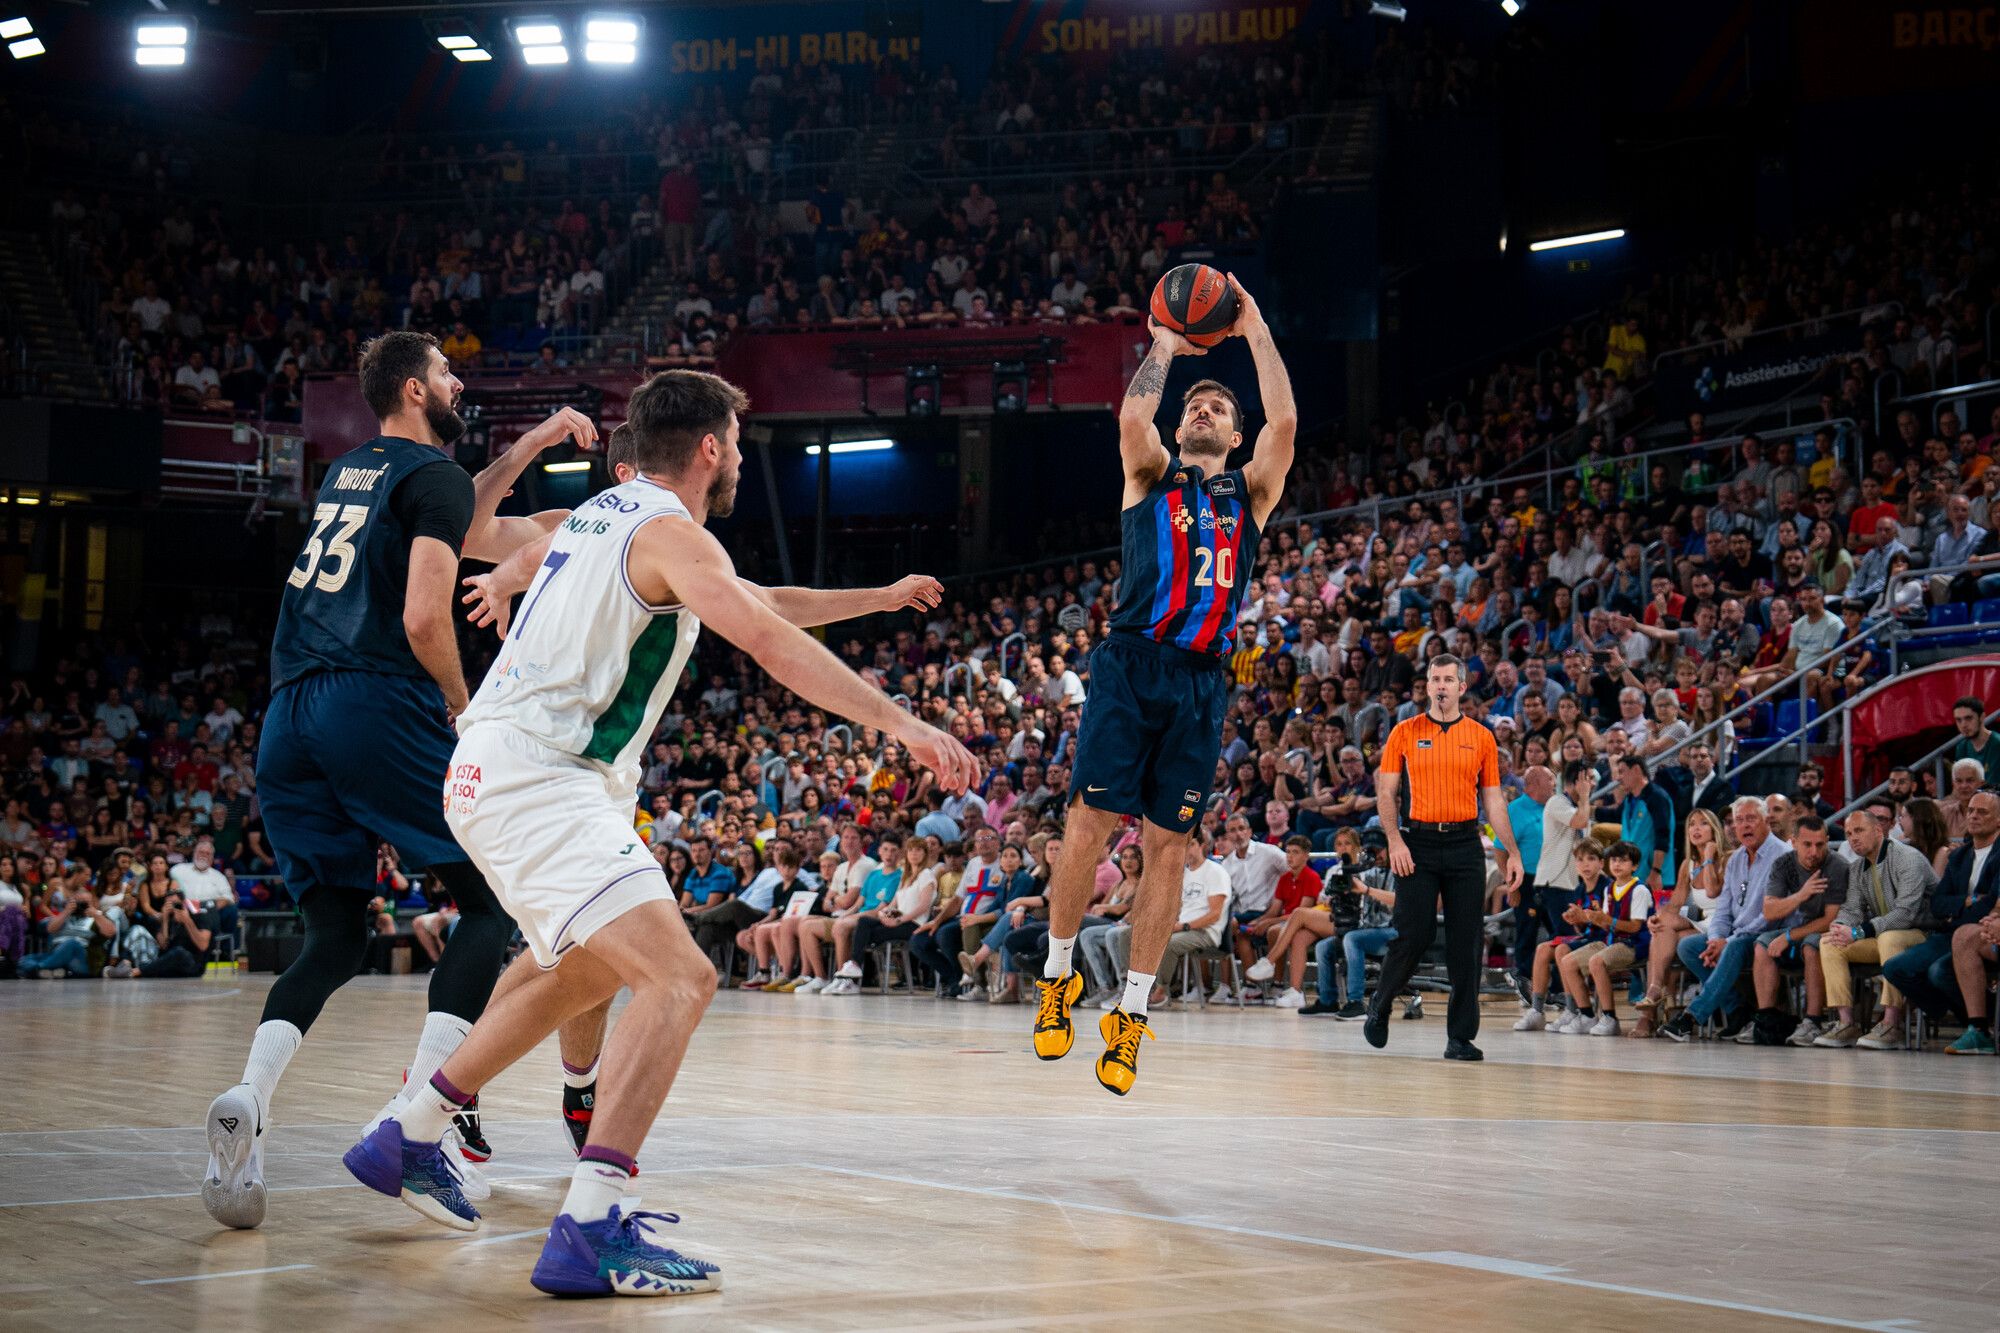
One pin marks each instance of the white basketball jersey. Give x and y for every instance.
(587, 668)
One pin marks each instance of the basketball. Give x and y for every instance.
(1196, 302)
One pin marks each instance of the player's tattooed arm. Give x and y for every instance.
(1151, 381)
(1138, 438)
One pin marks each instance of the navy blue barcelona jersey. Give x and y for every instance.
(343, 603)
(1188, 550)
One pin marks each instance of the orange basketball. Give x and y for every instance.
(1196, 302)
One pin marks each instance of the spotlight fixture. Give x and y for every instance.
(545, 55)
(611, 39)
(1388, 9)
(161, 42)
(839, 447)
(1510, 7)
(460, 36)
(1584, 238)
(13, 28)
(537, 32)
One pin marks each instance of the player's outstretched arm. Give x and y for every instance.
(493, 538)
(1271, 461)
(689, 566)
(807, 607)
(1146, 459)
(492, 594)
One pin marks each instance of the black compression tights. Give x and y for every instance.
(462, 981)
(337, 929)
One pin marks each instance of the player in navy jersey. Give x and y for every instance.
(357, 742)
(1152, 726)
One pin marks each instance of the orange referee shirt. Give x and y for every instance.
(1443, 766)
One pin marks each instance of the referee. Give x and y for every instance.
(1452, 762)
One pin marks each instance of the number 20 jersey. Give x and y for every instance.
(1188, 550)
(587, 668)
(342, 608)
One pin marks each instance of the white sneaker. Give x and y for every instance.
(232, 1190)
(1605, 1026)
(1571, 1024)
(972, 992)
(810, 986)
(472, 1181)
(1252, 994)
(1531, 1021)
(1221, 995)
(849, 971)
(1262, 970)
(1291, 999)
(1806, 1033)
(1111, 998)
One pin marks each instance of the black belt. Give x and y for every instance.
(1460, 826)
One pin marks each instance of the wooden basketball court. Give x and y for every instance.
(893, 1163)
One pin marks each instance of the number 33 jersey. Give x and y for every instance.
(587, 668)
(1188, 548)
(343, 602)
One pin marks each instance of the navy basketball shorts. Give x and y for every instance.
(1151, 731)
(349, 757)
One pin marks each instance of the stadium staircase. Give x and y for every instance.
(57, 355)
(649, 303)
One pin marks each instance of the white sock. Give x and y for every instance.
(1138, 990)
(271, 1050)
(441, 1036)
(425, 1113)
(579, 1079)
(594, 1188)
(1060, 948)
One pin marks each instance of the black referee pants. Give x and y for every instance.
(1451, 867)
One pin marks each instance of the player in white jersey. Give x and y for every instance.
(540, 793)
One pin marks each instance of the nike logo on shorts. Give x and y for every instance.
(1093, 789)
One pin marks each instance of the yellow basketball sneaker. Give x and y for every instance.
(1118, 1067)
(1054, 1034)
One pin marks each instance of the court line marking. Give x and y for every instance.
(1443, 1258)
(356, 1185)
(790, 1302)
(1507, 1058)
(206, 1277)
(500, 1240)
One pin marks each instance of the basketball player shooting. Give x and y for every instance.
(1152, 727)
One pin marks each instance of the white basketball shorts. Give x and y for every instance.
(553, 835)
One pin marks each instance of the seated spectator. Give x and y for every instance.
(1888, 900)
(1204, 914)
(1697, 890)
(1593, 886)
(1623, 911)
(857, 884)
(767, 940)
(1369, 937)
(179, 944)
(1806, 893)
(898, 919)
(76, 920)
(1018, 894)
(1104, 970)
(1717, 954)
(1295, 894)
(1966, 894)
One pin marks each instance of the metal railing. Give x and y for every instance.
(1939, 399)
(1934, 756)
(1808, 723)
(1817, 324)
(1906, 632)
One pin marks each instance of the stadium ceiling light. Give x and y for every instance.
(457, 41)
(852, 447)
(161, 42)
(13, 28)
(610, 53)
(1388, 9)
(1510, 7)
(27, 48)
(574, 465)
(473, 55)
(545, 55)
(1585, 238)
(610, 29)
(537, 32)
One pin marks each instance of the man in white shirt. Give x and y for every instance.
(856, 865)
(199, 881)
(1252, 867)
(1069, 686)
(1204, 910)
